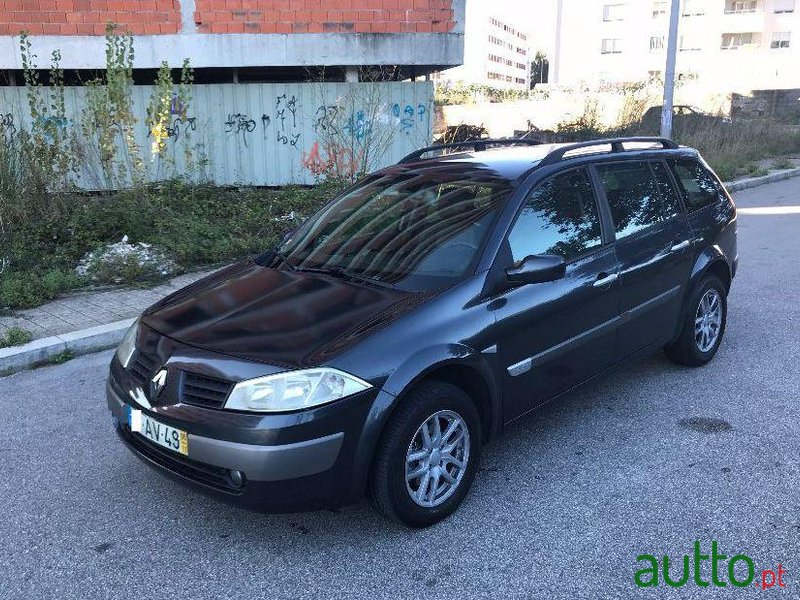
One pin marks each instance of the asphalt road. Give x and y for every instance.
(563, 505)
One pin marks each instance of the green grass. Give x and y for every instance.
(15, 336)
(59, 359)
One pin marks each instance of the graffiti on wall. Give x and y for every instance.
(331, 158)
(408, 116)
(240, 124)
(7, 128)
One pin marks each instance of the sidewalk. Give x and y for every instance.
(88, 309)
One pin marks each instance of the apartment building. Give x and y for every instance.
(496, 49)
(727, 44)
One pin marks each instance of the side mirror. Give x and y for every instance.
(537, 269)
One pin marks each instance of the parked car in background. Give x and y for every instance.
(683, 117)
(408, 322)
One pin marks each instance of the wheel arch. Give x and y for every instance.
(455, 364)
(711, 261)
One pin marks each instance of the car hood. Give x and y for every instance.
(278, 317)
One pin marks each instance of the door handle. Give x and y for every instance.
(604, 280)
(681, 246)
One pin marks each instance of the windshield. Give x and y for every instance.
(416, 230)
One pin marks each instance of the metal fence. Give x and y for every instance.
(259, 134)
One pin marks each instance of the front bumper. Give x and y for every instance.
(279, 477)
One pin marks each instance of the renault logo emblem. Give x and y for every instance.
(157, 383)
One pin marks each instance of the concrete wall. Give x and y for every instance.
(240, 33)
(261, 134)
(551, 105)
(153, 17)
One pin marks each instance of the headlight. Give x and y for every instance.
(127, 346)
(293, 390)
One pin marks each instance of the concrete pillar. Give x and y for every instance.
(351, 74)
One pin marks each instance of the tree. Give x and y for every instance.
(540, 69)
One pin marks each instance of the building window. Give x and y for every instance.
(784, 6)
(781, 39)
(692, 8)
(611, 46)
(741, 6)
(654, 75)
(656, 43)
(659, 9)
(614, 12)
(690, 43)
(734, 41)
(521, 66)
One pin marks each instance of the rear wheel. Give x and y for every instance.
(703, 326)
(428, 456)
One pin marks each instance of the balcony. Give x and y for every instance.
(739, 7)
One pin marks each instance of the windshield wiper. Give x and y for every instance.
(344, 274)
(284, 259)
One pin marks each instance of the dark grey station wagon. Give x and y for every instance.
(405, 324)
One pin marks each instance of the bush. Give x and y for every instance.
(15, 336)
(192, 224)
(27, 289)
(732, 149)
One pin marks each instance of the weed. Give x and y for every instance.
(780, 164)
(15, 336)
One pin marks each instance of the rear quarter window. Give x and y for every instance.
(698, 186)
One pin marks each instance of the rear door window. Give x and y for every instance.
(697, 185)
(634, 197)
(669, 194)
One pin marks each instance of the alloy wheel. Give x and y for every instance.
(708, 320)
(437, 458)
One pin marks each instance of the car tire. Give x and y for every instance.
(391, 491)
(693, 347)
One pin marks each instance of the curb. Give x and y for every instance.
(39, 352)
(751, 182)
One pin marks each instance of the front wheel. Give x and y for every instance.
(703, 326)
(428, 456)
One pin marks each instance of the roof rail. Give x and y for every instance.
(476, 145)
(616, 146)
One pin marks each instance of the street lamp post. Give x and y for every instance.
(669, 73)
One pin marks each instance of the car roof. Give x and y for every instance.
(510, 163)
(515, 162)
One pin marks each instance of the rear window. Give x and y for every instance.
(697, 185)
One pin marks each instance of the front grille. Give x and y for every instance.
(210, 475)
(201, 390)
(142, 366)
